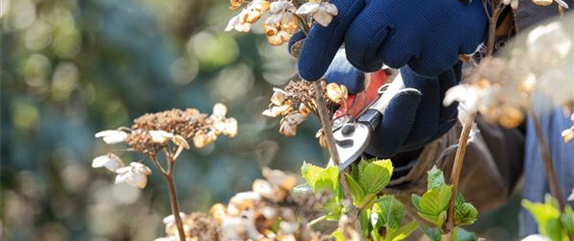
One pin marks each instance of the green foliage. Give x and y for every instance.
(367, 180)
(387, 215)
(459, 234)
(321, 179)
(551, 223)
(374, 176)
(433, 204)
(380, 216)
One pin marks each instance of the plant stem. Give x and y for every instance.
(455, 176)
(316, 221)
(497, 7)
(175, 205)
(168, 175)
(173, 195)
(331, 146)
(548, 165)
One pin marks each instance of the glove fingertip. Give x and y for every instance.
(295, 43)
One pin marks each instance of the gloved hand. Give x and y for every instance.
(415, 115)
(426, 35)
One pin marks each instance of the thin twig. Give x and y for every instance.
(555, 189)
(156, 163)
(497, 8)
(455, 176)
(169, 178)
(316, 221)
(331, 146)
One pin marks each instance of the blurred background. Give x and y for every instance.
(71, 68)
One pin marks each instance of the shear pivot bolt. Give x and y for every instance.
(348, 130)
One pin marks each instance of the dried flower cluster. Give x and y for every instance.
(268, 212)
(197, 226)
(502, 88)
(151, 133)
(285, 17)
(296, 102)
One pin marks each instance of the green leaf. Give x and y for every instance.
(338, 235)
(310, 173)
(403, 232)
(435, 201)
(568, 220)
(435, 179)
(374, 176)
(321, 178)
(465, 214)
(555, 231)
(463, 235)
(333, 209)
(416, 200)
(543, 213)
(390, 211)
(328, 179)
(364, 221)
(432, 233)
(357, 191)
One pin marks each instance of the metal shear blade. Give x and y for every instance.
(351, 140)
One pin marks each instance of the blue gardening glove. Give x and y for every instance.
(415, 115)
(428, 35)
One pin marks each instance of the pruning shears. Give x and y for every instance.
(354, 123)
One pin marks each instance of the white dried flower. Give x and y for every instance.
(535, 237)
(160, 136)
(468, 97)
(234, 23)
(283, 13)
(275, 111)
(549, 40)
(279, 96)
(112, 136)
(110, 161)
(171, 219)
(180, 141)
(322, 12)
(281, 6)
(134, 175)
(290, 122)
(219, 111)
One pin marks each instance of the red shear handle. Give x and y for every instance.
(357, 103)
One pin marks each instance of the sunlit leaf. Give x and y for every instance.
(356, 190)
(390, 211)
(374, 176)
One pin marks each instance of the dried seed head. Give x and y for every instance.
(296, 101)
(152, 132)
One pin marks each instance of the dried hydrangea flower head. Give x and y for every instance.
(502, 88)
(296, 101)
(285, 17)
(267, 212)
(197, 226)
(152, 132)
